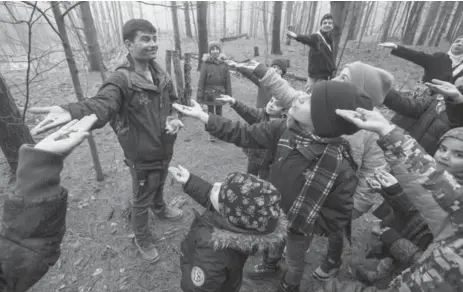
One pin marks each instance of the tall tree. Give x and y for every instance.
(289, 12)
(193, 19)
(178, 46)
(302, 16)
(339, 10)
(13, 131)
(94, 52)
(448, 7)
(412, 23)
(240, 18)
(438, 24)
(311, 27)
(366, 19)
(202, 30)
(251, 23)
(130, 9)
(430, 19)
(75, 81)
(355, 15)
(456, 19)
(388, 24)
(140, 9)
(277, 10)
(186, 11)
(224, 18)
(264, 23)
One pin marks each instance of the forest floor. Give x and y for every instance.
(97, 251)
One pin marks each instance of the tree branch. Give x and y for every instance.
(70, 8)
(44, 15)
(29, 48)
(179, 6)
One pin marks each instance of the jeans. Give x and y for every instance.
(148, 188)
(258, 170)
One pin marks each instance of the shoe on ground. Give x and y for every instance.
(171, 213)
(263, 271)
(326, 271)
(147, 250)
(211, 139)
(285, 287)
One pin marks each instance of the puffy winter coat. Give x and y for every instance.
(214, 80)
(214, 251)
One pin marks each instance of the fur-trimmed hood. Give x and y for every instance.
(249, 243)
(208, 58)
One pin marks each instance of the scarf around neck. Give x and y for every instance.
(319, 180)
(457, 62)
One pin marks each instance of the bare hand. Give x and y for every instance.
(251, 65)
(180, 174)
(385, 178)
(231, 63)
(373, 184)
(372, 121)
(446, 89)
(68, 137)
(173, 125)
(56, 116)
(194, 111)
(226, 98)
(291, 34)
(389, 45)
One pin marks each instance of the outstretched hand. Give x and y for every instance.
(173, 125)
(291, 34)
(56, 116)
(388, 45)
(226, 98)
(251, 65)
(68, 137)
(194, 111)
(385, 178)
(368, 120)
(180, 174)
(447, 89)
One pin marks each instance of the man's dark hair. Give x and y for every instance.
(326, 16)
(131, 27)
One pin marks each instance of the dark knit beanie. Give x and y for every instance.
(376, 82)
(326, 16)
(249, 202)
(327, 97)
(282, 63)
(214, 45)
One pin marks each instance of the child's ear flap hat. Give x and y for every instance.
(327, 97)
(249, 202)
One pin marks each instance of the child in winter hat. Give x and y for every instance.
(242, 217)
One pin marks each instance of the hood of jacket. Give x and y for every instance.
(223, 238)
(209, 59)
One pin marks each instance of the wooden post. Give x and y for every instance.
(178, 76)
(256, 51)
(169, 61)
(187, 71)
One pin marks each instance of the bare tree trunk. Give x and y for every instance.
(178, 77)
(289, 12)
(251, 23)
(427, 26)
(456, 19)
(169, 62)
(141, 10)
(354, 19)
(130, 9)
(76, 82)
(339, 10)
(312, 18)
(240, 19)
(193, 19)
(113, 18)
(13, 131)
(178, 46)
(412, 24)
(366, 20)
(187, 72)
(439, 24)
(186, 11)
(224, 18)
(448, 7)
(308, 18)
(388, 23)
(94, 52)
(202, 30)
(121, 18)
(264, 16)
(277, 10)
(302, 16)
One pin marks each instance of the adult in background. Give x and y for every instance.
(137, 100)
(322, 64)
(214, 80)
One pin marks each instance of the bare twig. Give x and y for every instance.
(44, 15)
(29, 45)
(70, 8)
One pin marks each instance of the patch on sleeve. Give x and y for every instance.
(197, 276)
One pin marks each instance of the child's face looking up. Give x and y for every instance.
(301, 110)
(278, 69)
(214, 195)
(449, 156)
(273, 108)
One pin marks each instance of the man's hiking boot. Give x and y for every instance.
(326, 271)
(263, 271)
(170, 213)
(285, 287)
(147, 250)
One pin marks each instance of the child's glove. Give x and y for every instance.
(173, 125)
(180, 174)
(385, 178)
(226, 98)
